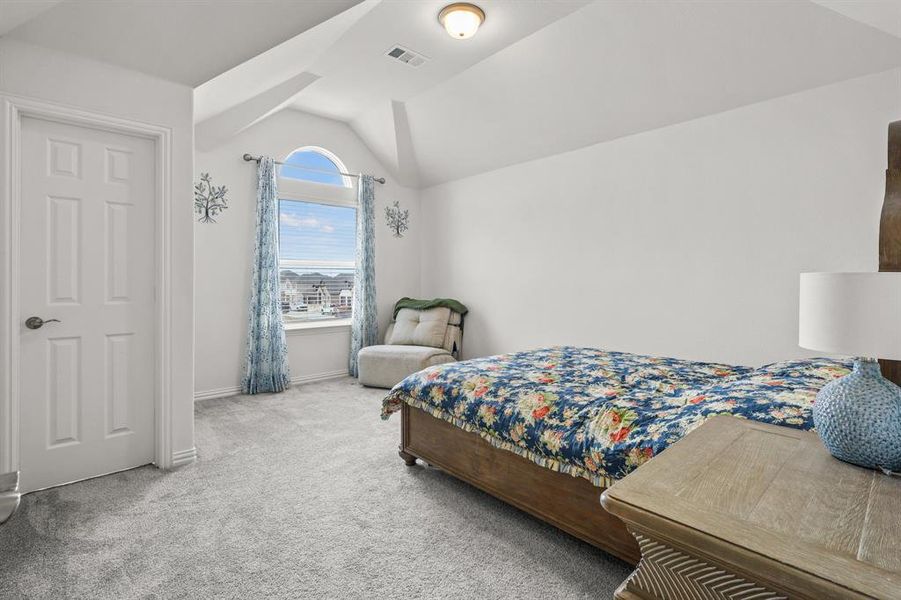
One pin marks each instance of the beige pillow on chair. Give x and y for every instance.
(420, 327)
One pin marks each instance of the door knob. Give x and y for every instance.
(37, 322)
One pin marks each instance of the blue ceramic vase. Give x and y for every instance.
(858, 417)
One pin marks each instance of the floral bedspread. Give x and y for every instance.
(598, 414)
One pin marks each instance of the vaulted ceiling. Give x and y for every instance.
(15, 12)
(884, 15)
(184, 41)
(613, 69)
(540, 77)
(340, 70)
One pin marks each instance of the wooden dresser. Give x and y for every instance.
(739, 509)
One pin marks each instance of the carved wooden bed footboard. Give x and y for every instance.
(569, 503)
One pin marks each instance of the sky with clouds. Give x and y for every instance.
(310, 231)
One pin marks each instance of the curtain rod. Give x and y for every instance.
(251, 157)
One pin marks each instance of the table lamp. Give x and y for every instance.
(858, 417)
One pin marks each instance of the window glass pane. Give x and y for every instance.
(316, 269)
(316, 162)
(312, 231)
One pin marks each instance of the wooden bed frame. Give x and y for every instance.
(572, 503)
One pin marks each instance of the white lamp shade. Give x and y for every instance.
(855, 314)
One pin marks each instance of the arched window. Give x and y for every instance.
(315, 164)
(317, 239)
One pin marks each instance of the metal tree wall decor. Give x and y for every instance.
(209, 200)
(397, 219)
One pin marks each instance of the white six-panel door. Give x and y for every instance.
(86, 383)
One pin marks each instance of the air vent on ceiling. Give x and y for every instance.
(407, 56)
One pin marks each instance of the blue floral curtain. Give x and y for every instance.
(266, 366)
(364, 331)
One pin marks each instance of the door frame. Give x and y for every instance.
(14, 109)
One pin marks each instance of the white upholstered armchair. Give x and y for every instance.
(415, 340)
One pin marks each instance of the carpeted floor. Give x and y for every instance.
(297, 495)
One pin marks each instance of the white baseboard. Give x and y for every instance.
(183, 457)
(300, 379)
(217, 393)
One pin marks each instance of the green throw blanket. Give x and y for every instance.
(415, 304)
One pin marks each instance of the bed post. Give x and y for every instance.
(409, 459)
(890, 228)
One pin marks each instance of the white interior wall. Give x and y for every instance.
(38, 73)
(223, 252)
(684, 241)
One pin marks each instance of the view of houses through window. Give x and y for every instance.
(309, 294)
(316, 248)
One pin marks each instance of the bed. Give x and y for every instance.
(547, 430)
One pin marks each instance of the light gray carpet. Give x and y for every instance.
(297, 495)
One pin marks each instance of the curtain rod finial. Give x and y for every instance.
(248, 157)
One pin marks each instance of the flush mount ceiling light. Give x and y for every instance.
(461, 19)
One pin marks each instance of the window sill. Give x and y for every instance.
(314, 327)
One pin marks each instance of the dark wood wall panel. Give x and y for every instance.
(890, 228)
